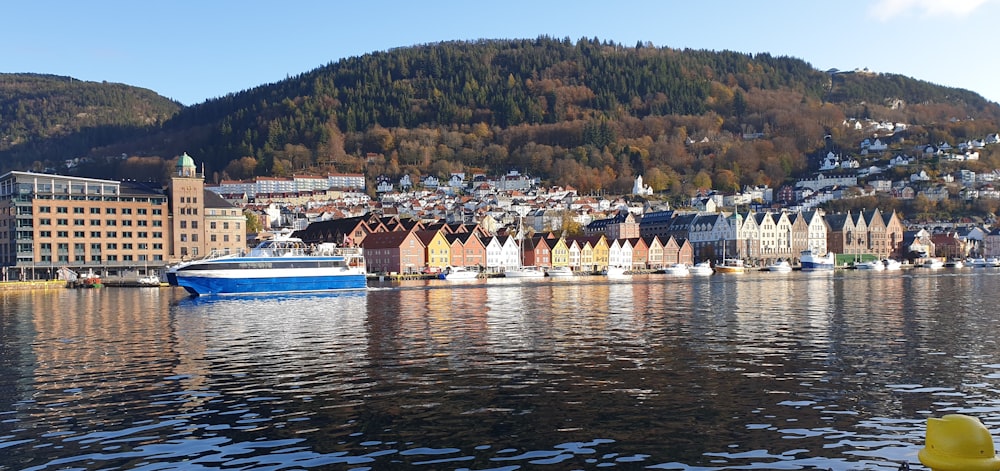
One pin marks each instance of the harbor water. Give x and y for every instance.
(756, 371)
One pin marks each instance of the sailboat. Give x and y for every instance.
(729, 265)
(523, 271)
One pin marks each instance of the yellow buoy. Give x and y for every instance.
(958, 442)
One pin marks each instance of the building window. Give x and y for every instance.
(211, 225)
(111, 246)
(45, 209)
(112, 234)
(95, 222)
(184, 224)
(78, 222)
(62, 222)
(62, 210)
(110, 210)
(194, 224)
(212, 238)
(95, 210)
(62, 234)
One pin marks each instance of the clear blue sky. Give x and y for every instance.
(195, 50)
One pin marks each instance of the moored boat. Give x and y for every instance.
(876, 265)
(614, 271)
(458, 273)
(891, 264)
(954, 263)
(678, 269)
(730, 265)
(701, 268)
(781, 266)
(560, 271)
(933, 263)
(284, 265)
(810, 259)
(525, 272)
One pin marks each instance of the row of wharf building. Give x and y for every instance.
(637, 242)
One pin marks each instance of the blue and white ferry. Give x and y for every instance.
(811, 260)
(284, 265)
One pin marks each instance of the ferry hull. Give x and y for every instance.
(209, 283)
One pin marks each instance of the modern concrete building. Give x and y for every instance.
(52, 222)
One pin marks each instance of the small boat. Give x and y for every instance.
(525, 272)
(954, 263)
(560, 271)
(458, 273)
(614, 271)
(891, 264)
(701, 268)
(780, 266)
(993, 262)
(149, 281)
(812, 260)
(280, 265)
(933, 263)
(875, 265)
(979, 263)
(678, 269)
(730, 265)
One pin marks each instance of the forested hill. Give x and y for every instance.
(587, 113)
(48, 117)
